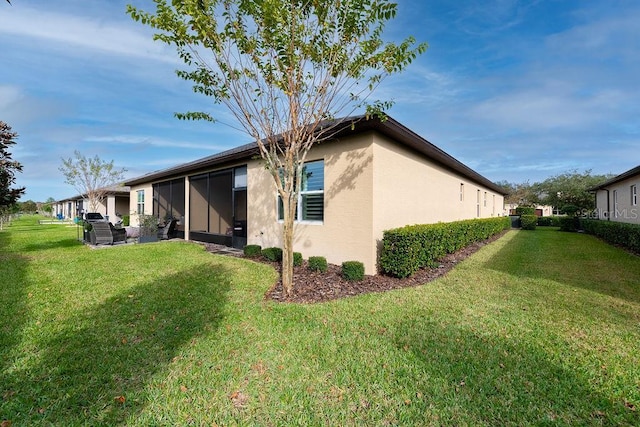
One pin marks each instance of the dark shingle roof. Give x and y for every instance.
(352, 126)
(615, 179)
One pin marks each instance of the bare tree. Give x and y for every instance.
(91, 177)
(285, 69)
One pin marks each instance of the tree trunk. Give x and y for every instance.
(289, 208)
(287, 258)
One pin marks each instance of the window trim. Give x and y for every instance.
(634, 195)
(140, 202)
(301, 193)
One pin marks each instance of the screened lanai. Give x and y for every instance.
(218, 207)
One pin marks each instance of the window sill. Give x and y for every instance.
(304, 222)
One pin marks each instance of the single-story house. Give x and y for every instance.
(371, 176)
(617, 198)
(116, 201)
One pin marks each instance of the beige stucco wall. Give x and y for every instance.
(133, 202)
(411, 189)
(346, 232)
(625, 210)
(371, 185)
(602, 209)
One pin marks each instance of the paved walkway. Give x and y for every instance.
(223, 250)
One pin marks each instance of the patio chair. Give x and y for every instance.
(119, 234)
(102, 233)
(166, 232)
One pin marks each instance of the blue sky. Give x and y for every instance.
(517, 90)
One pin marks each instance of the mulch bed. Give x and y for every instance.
(313, 287)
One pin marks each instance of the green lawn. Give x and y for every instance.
(540, 328)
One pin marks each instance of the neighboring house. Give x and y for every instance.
(617, 198)
(541, 210)
(371, 177)
(116, 201)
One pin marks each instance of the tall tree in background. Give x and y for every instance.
(8, 168)
(91, 177)
(285, 69)
(519, 193)
(569, 189)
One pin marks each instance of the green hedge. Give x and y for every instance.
(549, 221)
(297, 259)
(616, 233)
(318, 263)
(569, 223)
(528, 222)
(406, 250)
(353, 270)
(525, 210)
(252, 251)
(272, 254)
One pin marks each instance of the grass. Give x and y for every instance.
(537, 328)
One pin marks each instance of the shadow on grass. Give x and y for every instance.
(51, 244)
(13, 306)
(480, 379)
(113, 350)
(573, 259)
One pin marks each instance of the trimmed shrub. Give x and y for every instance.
(528, 222)
(525, 210)
(318, 263)
(569, 223)
(353, 270)
(616, 233)
(252, 251)
(544, 221)
(406, 250)
(549, 221)
(272, 254)
(570, 210)
(297, 259)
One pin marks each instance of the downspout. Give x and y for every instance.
(608, 205)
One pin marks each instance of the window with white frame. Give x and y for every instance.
(485, 199)
(634, 195)
(310, 204)
(140, 203)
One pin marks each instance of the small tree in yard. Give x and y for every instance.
(8, 168)
(286, 70)
(90, 177)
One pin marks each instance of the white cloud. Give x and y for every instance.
(8, 96)
(154, 142)
(78, 35)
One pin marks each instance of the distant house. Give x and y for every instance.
(116, 201)
(617, 198)
(541, 210)
(372, 176)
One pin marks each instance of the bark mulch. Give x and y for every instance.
(313, 287)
